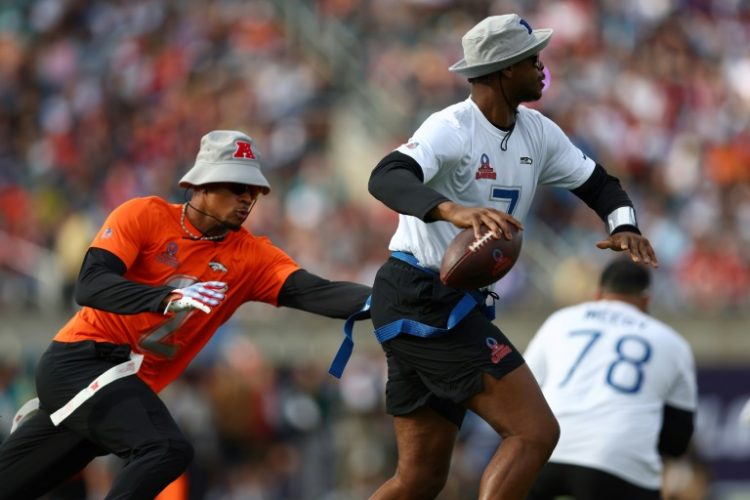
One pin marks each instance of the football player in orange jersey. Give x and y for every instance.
(156, 283)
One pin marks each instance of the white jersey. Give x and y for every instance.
(607, 370)
(460, 153)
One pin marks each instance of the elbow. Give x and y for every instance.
(81, 297)
(374, 185)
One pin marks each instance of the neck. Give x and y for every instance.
(198, 216)
(491, 100)
(640, 301)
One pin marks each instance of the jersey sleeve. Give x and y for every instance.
(684, 391)
(435, 145)
(270, 270)
(565, 165)
(125, 230)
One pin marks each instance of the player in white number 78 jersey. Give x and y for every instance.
(622, 386)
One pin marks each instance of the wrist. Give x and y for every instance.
(169, 298)
(621, 216)
(442, 210)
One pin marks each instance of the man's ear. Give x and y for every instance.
(506, 72)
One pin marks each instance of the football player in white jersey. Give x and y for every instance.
(476, 162)
(622, 386)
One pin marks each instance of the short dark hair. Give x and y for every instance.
(626, 277)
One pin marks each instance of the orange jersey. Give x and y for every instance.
(145, 233)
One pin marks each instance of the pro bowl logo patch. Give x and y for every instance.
(485, 170)
(498, 258)
(169, 256)
(497, 350)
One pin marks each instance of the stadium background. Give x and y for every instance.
(101, 101)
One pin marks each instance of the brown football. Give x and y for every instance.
(474, 263)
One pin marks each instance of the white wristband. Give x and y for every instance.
(623, 216)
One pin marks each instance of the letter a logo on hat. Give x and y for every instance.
(244, 150)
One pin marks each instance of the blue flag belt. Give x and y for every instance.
(468, 302)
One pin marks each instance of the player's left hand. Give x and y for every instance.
(201, 296)
(636, 245)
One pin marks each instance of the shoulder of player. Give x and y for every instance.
(144, 202)
(533, 119)
(255, 251)
(658, 330)
(247, 239)
(143, 206)
(531, 113)
(669, 333)
(455, 116)
(566, 316)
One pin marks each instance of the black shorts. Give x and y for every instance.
(585, 483)
(440, 372)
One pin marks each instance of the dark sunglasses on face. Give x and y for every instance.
(240, 189)
(535, 61)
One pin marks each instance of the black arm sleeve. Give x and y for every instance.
(603, 193)
(334, 299)
(676, 431)
(101, 284)
(397, 181)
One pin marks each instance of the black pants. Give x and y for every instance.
(584, 483)
(125, 418)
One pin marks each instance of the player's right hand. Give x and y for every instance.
(201, 296)
(462, 216)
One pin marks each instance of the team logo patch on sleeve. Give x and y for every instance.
(497, 350)
(525, 160)
(485, 170)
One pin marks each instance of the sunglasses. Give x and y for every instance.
(238, 189)
(535, 61)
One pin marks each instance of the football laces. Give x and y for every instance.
(481, 241)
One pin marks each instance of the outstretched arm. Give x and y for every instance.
(335, 299)
(604, 194)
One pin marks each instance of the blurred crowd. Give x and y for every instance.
(102, 101)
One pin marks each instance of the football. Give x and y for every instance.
(474, 263)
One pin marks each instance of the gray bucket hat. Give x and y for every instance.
(496, 43)
(226, 156)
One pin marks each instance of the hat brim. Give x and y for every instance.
(542, 38)
(205, 173)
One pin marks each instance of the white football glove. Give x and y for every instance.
(197, 296)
